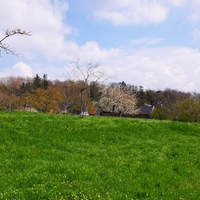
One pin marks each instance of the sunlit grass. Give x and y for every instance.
(45, 156)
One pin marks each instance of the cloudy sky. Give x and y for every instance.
(153, 43)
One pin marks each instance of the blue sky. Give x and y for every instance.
(152, 43)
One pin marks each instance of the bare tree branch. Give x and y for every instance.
(9, 33)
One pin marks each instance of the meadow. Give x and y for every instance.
(52, 156)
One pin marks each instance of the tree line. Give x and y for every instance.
(76, 96)
(169, 104)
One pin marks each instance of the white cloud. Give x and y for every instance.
(177, 2)
(139, 12)
(90, 51)
(147, 41)
(22, 69)
(158, 68)
(194, 7)
(130, 12)
(19, 69)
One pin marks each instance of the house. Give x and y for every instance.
(141, 112)
(145, 111)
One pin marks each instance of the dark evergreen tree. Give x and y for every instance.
(25, 87)
(45, 82)
(95, 91)
(37, 82)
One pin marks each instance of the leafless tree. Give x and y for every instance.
(84, 74)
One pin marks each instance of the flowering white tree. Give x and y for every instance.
(117, 100)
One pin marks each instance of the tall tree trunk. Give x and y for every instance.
(10, 106)
(81, 110)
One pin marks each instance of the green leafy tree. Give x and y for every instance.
(188, 110)
(46, 99)
(26, 101)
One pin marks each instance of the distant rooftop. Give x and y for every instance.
(146, 109)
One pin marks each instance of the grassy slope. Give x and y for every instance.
(46, 156)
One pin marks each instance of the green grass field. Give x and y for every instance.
(45, 156)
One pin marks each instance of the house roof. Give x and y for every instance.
(146, 109)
